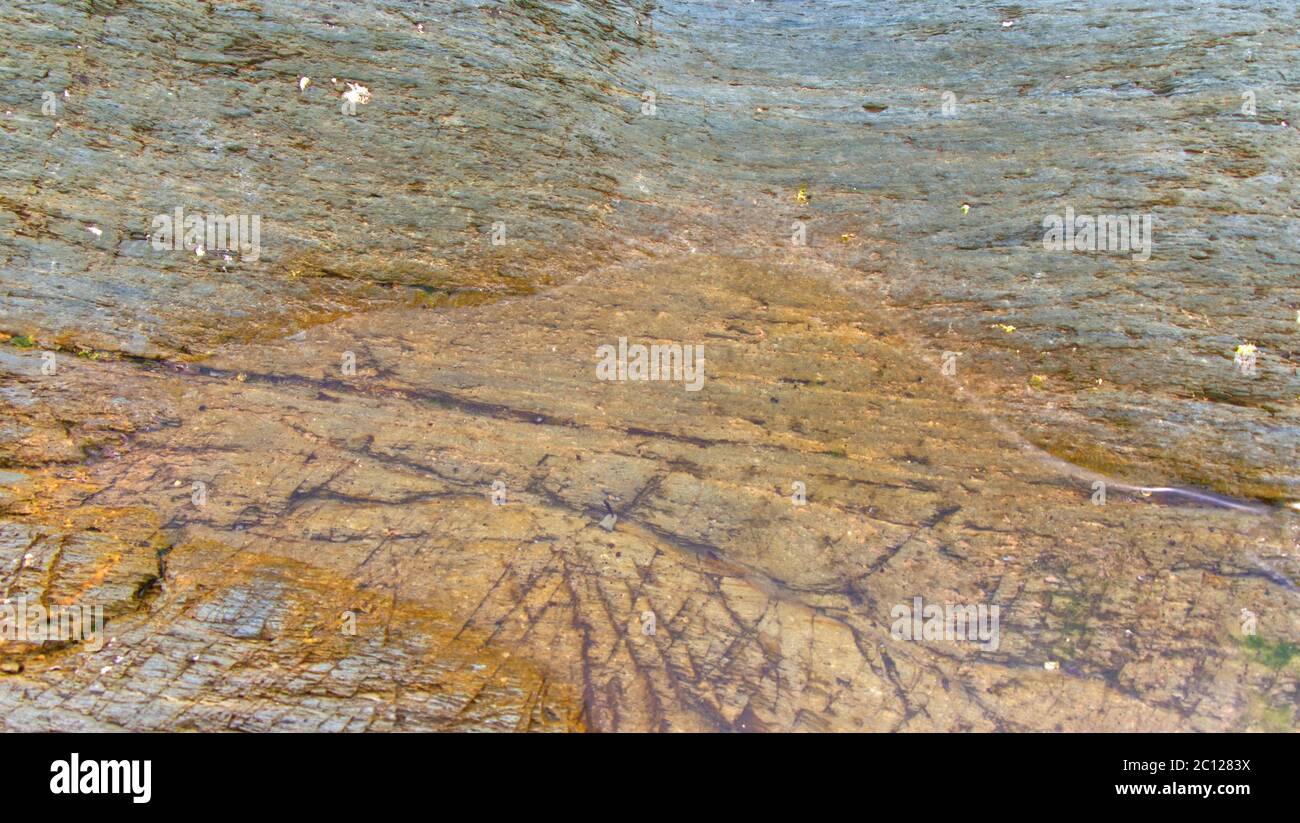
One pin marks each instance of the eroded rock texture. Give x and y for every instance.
(371, 481)
(373, 494)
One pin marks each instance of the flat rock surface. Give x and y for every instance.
(373, 480)
(326, 491)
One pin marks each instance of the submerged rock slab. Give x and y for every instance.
(715, 600)
(367, 476)
(99, 561)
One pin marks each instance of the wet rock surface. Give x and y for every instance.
(766, 614)
(371, 481)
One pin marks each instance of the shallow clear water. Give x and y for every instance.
(843, 202)
(534, 115)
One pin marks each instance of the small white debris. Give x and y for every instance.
(303, 82)
(198, 251)
(357, 93)
(1006, 24)
(66, 96)
(1051, 665)
(95, 230)
(419, 27)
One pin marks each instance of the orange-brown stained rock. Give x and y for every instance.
(330, 492)
(240, 642)
(54, 555)
(768, 615)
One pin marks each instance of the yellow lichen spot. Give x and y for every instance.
(965, 208)
(802, 195)
(1037, 381)
(1004, 327)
